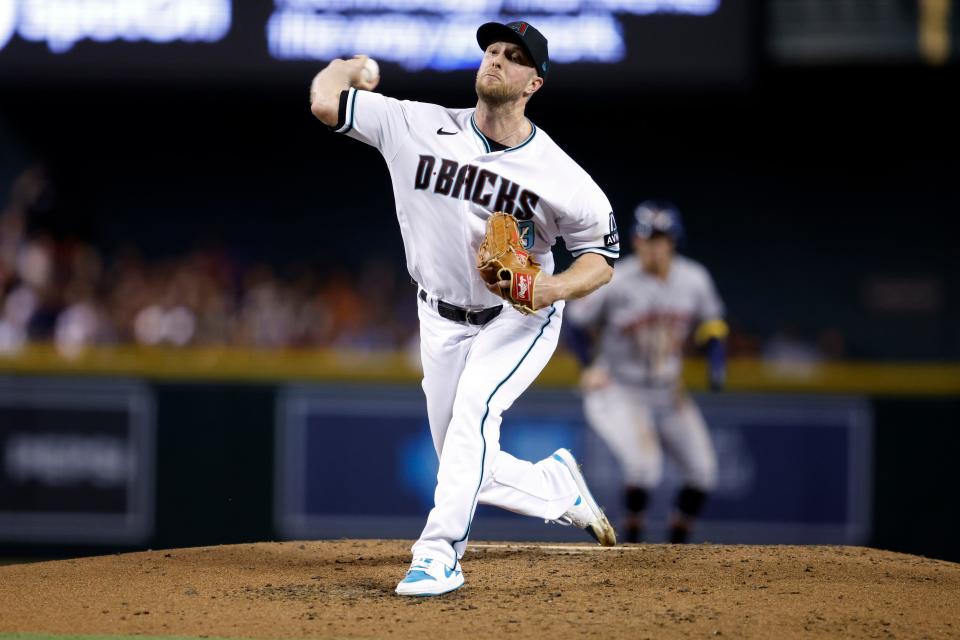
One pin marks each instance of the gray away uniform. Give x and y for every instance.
(644, 322)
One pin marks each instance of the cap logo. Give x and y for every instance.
(519, 27)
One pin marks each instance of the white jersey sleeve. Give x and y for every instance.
(589, 226)
(375, 119)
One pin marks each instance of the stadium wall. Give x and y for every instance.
(203, 443)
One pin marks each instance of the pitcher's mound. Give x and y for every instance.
(344, 589)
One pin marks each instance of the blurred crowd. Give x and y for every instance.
(71, 293)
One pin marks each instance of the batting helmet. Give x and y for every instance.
(655, 217)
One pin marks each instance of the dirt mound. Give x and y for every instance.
(344, 589)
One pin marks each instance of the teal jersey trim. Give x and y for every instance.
(483, 138)
(486, 141)
(353, 110)
(353, 106)
(603, 250)
(525, 142)
(476, 493)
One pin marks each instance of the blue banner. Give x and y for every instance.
(359, 462)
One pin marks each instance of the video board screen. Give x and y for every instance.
(600, 41)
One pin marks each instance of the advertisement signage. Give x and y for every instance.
(792, 469)
(76, 461)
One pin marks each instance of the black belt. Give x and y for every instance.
(461, 315)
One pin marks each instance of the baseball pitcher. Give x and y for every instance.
(452, 170)
(633, 394)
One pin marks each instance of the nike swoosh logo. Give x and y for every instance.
(449, 572)
(441, 132)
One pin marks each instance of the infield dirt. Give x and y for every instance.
(344, 589)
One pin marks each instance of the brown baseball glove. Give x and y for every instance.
(501, 257)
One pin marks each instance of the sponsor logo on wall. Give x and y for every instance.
(76, 461)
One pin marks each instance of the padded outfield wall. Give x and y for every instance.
(156, 450)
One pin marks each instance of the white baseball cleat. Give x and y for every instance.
(585, 512)
(429, 577)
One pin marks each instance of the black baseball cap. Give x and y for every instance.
(521, 33)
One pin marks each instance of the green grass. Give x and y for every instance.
(51, 636)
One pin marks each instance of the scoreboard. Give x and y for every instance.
(600, 42)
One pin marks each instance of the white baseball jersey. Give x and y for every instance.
(645, 320)
(448, 178)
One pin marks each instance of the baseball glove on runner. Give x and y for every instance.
(502, 258)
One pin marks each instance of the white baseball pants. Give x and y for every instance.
(634, 423)
(471, 375)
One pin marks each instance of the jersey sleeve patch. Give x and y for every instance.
(612, 238)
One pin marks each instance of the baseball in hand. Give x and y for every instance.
(371, 70)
